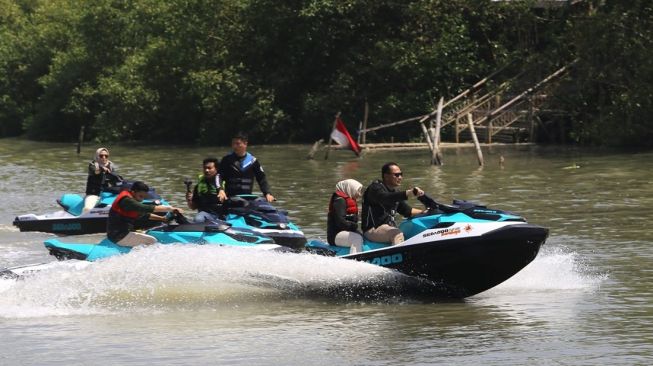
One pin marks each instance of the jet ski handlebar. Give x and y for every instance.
(431, 204)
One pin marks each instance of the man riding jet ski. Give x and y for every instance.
(242, 209)
(455, 250)
(125, 214)
(178, 232)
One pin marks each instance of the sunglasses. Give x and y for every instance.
(104, 155)
(397, 174)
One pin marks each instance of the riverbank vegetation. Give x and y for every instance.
(195, 71)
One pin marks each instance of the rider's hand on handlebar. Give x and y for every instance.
(222, 196)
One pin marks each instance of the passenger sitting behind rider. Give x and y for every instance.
(208, 195)
(127, 209)
(342, 221)
(381, 201)
(98, 169)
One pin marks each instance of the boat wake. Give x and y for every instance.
(167, 278)
(191, 276)
(554, 269)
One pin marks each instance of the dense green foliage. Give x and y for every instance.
(187, 71)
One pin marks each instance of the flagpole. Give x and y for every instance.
(335, 120)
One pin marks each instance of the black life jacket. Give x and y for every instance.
(240, 178)
(376, 214)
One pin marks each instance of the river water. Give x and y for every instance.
(585, 300)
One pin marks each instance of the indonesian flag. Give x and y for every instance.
(341, 136)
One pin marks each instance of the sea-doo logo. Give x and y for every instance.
(485, 211)
(443, 232)
(387, 259)
(67, 227)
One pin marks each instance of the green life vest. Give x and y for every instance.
(205, 188)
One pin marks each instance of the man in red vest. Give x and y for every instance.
(127, 209)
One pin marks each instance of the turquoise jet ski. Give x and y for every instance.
(71, 220)
(456, 250)
(182, 232)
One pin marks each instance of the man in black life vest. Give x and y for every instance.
(239, 169)
(127, 209)
(381, 201)
(208, 195)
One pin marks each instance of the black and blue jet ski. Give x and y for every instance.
(71, 220)
(455, 251)
(256, 213)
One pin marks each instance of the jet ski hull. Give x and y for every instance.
(454, 267)
(464, 267)
(204, 234)
(62, 226)
(73, 221)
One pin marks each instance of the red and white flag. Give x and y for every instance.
(341, 136)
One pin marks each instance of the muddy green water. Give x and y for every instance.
(585, 300)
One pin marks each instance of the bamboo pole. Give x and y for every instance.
(358, 135)
(365, 115)
(314, 149)
(392, 124)
(531, 120)
(525, 93)
(335, 120)
(426, 135)
(80, 139)
(489, 132)
(479, 153)
(436, 156)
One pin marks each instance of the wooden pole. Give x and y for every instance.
(80, 139)
(479, 153)
(436, 156)
(314, 149)
(525, 93)
(489, 132)
(335, 120)
(426, 135)
(358, 135)
(531, 120)
(365, 115)
(438, 120)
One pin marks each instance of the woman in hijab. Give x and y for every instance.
(97, 169)
(342, 221)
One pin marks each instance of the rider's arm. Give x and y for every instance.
(405, 210)
(130, 204)
(94, 168)
(378, 194)
(260, 178)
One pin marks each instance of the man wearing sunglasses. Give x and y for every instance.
(381, 201)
